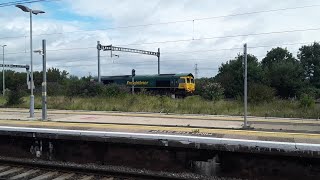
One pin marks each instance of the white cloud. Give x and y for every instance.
(116, 13)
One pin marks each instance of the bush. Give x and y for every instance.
(84, 89)
(260, 93)
(113, 90)
(306, 101)
(310, 91)
(200, 85)
(93, 89)
(212, 91)
(55, 89)
(74, 88)
(14, 97)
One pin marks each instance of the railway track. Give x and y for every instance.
(24, 172)
(31, 169)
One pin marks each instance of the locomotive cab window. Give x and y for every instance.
(192, 81)
(182, 80)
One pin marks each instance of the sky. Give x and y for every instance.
(188, 32)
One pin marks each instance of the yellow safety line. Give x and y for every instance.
(162, 129)
(302, 121)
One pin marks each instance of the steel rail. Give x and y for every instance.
(120, 172)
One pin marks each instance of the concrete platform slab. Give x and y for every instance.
(268, 130)
(168, 120)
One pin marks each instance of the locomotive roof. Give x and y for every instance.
(149, 76)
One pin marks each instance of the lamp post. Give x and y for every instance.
(30, 11)
(3, 78)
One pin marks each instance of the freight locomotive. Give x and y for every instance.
(174, 84)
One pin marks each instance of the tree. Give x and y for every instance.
(230, 75)
(55, 75)
(260, 93)
(277, 55)
(15, 80)
(283, 72)
(286, 78)
(309, 57)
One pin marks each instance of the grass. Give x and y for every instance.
(189, 105)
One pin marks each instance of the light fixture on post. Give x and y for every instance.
(36, 12)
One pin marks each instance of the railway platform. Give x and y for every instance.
(268, 135)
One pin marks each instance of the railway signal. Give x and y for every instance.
(133, 74)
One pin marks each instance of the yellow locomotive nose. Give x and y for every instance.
(190, 86)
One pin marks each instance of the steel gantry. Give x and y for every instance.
(27, 67)
(15, 66)
(114, 48)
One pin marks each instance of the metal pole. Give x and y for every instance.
(195, 72)
(245, 124)
(133, 74)
(132, 85)
(44, 83)
(159, 61)
(3, 77)
(31, 66)
(98, 49)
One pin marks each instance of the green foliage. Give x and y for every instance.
(260, 93)
(208, 89)
(55, 75)
(55, 89)
(310, 60)
(212, 91)
(74, 88)
(275, 56)
(283, 72)
(14, 97)
(286, 78)
(200, 83)
(114, 90)
(16, 87)
(189, 105)
(230, 75)
(84, 88)
(15, 80)
(306, 101)
(310, 91)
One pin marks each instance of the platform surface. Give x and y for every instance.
(265, 129)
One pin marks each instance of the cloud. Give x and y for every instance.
(72, 18)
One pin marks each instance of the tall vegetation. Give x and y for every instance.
(230, 75)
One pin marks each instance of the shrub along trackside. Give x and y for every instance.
(189, 105)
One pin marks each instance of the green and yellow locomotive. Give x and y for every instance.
(177, 84)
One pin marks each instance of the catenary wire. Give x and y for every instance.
(171, 22)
